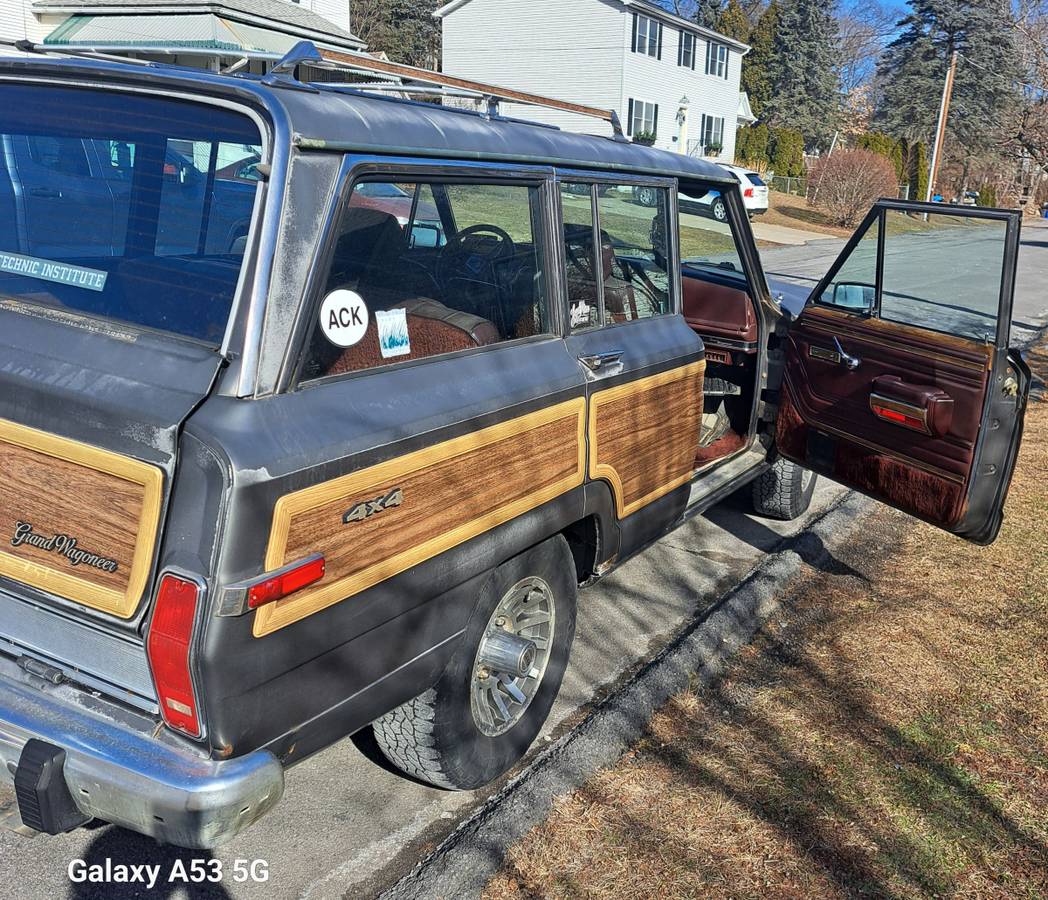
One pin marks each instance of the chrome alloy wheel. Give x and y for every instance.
(512, 656)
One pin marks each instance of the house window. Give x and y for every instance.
(643, 118)
(712, 132)
(647, 36)
(686, 50)
(717, 59)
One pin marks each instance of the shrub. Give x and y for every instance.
(647, 138)
(847, 183)
(987, 196)
(751, 146)
(787, 152)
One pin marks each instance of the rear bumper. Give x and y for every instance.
(117, 771)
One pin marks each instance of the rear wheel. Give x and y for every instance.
(496, 692)
(784, 491)
(719, 210)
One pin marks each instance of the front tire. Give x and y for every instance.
(472, 725)
(719, 210)
(784, 491)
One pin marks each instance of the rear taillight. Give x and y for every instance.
(170, 637)
(748, 192)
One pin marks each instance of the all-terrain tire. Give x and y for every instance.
(784, 491)
(435, 737)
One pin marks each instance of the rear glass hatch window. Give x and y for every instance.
(125, 207)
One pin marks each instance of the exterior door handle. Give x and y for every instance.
(49, 193)
(852, 362)
(595, 362)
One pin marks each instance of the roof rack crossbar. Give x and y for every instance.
(306, 52)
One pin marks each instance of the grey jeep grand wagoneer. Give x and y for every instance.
(317, 407)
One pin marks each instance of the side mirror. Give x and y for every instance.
(424, 235)
(858, 297)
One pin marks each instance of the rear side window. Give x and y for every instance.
(125, 207)
(420, 269)
(755, 179)
(617, 271)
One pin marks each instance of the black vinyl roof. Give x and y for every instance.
(325, 117)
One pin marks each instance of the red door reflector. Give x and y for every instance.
(170, 638)
(286, 582)
(899, 418)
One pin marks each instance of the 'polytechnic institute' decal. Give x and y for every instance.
(63, 545)
(367, 508)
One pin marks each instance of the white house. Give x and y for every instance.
(659, 72)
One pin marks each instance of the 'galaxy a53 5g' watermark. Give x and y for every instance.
(178, 871)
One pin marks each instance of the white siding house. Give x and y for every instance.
(627, 55)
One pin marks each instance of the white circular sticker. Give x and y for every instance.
(343, 317)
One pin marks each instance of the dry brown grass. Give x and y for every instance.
(886, 735)
(793, 212)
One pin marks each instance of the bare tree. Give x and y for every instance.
(863, 30)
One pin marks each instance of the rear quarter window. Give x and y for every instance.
(125, 207)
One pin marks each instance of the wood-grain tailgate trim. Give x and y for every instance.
(501, 449)
(644, 441)
(45, 577)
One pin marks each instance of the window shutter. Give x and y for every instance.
(629, 119)
(655, 120)
(693, 54)
(680, 50)
(658, 54)
(709, 56)
(634, 33)
(727, 56)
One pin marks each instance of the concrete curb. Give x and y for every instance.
(468, 858)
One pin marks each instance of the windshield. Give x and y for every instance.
(125, 207)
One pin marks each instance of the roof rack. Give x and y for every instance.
(307, 53)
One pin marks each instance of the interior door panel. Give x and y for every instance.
(924, 420)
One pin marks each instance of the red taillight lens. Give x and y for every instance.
(287, 582)
(748, 192)
(170, 635)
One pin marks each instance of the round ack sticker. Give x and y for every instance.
(343, 317)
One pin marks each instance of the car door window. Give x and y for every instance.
(420, 269)
(943, 273)
(635, 251)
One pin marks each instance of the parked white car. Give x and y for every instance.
(711, 204)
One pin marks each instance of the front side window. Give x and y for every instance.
(686, 51)
(125, 207)
(717, 59)
(915, 282)
(643, 119)
(647, 36)
(424, 268)
(707, 244)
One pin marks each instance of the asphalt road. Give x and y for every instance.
(345, 819)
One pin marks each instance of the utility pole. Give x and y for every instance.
(940, 128)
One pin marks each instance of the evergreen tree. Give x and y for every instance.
(404, 29)
(913, 67)
(805, 93)
(707, 13)
(757, 64)
(734, 22)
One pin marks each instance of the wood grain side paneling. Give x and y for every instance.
(451, 492)
(76, 521)
(644, 434)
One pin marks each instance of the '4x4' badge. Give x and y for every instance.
(367, 508)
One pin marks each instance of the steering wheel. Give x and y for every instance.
(470, 255)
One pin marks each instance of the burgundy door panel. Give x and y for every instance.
(923, 471)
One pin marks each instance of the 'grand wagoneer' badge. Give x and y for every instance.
(63, 545)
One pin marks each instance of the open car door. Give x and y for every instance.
(899, 381)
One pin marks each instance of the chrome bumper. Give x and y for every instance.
(117, 771)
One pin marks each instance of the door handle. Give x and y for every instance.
(852, 362)
(49, 193)
(597, 361)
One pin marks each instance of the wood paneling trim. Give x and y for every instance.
(452, 492)
(100, 476)
(643, 435)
